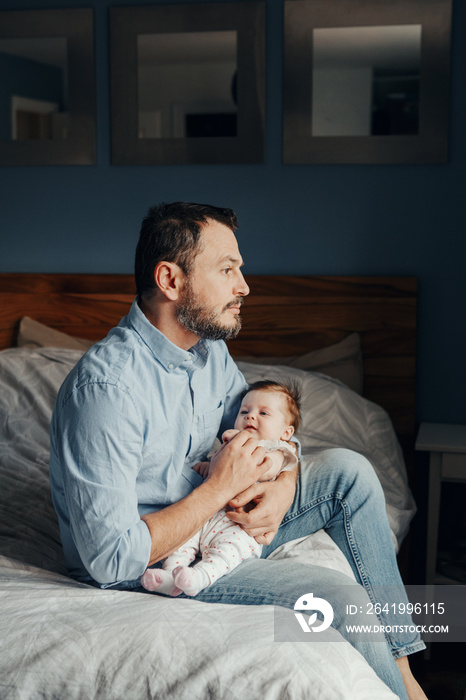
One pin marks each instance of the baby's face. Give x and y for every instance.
(264, 415)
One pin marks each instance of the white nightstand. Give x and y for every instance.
(447, 447)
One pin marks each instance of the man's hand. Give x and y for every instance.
(203, 468)
(237, 465)
(270, 501)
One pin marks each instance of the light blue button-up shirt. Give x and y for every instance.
(130, 421)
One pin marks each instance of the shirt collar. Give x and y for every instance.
(171, 356)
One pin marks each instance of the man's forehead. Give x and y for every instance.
(219, 244)
(233, 259)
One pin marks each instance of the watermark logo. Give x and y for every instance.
(308, 603)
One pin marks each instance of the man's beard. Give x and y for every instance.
(203, 321)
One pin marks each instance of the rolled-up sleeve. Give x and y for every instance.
(99, 452)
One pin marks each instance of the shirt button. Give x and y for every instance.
(171, 365)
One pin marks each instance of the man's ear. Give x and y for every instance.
(287, 434)
(169, 278)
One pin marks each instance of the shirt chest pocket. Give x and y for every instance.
(207, 427)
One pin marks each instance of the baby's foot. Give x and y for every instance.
(159, 581)
(189, 579)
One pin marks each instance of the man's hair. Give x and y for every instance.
(171, 232)
(290, 392)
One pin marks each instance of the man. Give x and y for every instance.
(145, 404)
(144, 409)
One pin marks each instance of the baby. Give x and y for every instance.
(270, 412)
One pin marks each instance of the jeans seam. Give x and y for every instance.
(360, 566)
(408, 649)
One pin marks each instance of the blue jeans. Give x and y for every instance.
(341, 493)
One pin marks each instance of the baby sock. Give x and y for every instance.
(190, 579)
(159, 581)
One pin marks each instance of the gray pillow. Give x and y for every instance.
(33, 334)
(342, 361)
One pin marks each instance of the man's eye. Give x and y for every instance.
(227, 270)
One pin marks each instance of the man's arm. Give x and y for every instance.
(234, 469)
(96, 447)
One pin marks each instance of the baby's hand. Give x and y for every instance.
(228, 435)
(202, 468)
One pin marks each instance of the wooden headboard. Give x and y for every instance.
(282, 316)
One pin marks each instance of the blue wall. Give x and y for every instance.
(328, 220)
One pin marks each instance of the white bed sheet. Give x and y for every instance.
(62, 639)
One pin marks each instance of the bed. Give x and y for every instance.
(351, 345)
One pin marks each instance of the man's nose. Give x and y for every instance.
(241, 288)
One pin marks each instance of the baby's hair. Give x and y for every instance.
(290, 391)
